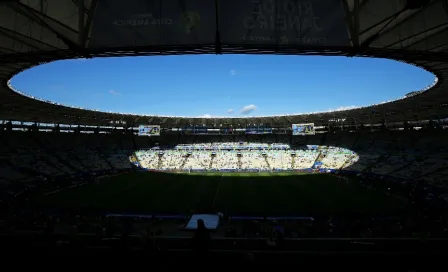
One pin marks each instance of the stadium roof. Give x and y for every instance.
(38, 31)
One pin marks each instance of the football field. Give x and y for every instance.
(263, 194)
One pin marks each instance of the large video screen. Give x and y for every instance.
(147, 130)
(303, 129)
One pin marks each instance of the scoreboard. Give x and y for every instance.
(303, 129)
(147, 130)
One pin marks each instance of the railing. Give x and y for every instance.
(235, 244)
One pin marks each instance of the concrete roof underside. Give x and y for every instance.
(33, 32)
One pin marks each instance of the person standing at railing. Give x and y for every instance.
(201, 238)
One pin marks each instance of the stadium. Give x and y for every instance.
(371, 172)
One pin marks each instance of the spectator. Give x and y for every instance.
(201, 238)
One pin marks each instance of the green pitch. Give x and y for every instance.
(237, 193)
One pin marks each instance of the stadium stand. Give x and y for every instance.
(399, 154)
(253, 157)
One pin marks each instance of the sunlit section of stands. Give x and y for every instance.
(225, 160)
(305, 159)
(279, 159)
(149, 160)
(250, 157)
(253, 160)
(198, 160)
(172, 160)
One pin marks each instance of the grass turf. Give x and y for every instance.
(265, 194)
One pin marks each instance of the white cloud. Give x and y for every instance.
(343, 108)
(232, 72)
(230, 111)
(248, 109)
(113, 92)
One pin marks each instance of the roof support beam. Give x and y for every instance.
(352, 18)
(439, 47)
(445, 6)
(9, 50)
(218, 40)
(356, 10)
(442, 28)
(15, 36)
(88, 23)
(81, 23)
(24, 38)
(39, 17)
(422, 40)
(438, 65)
(377, 24)
(32, 15)
(383, 29)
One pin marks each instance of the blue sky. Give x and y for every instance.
(223, 85)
